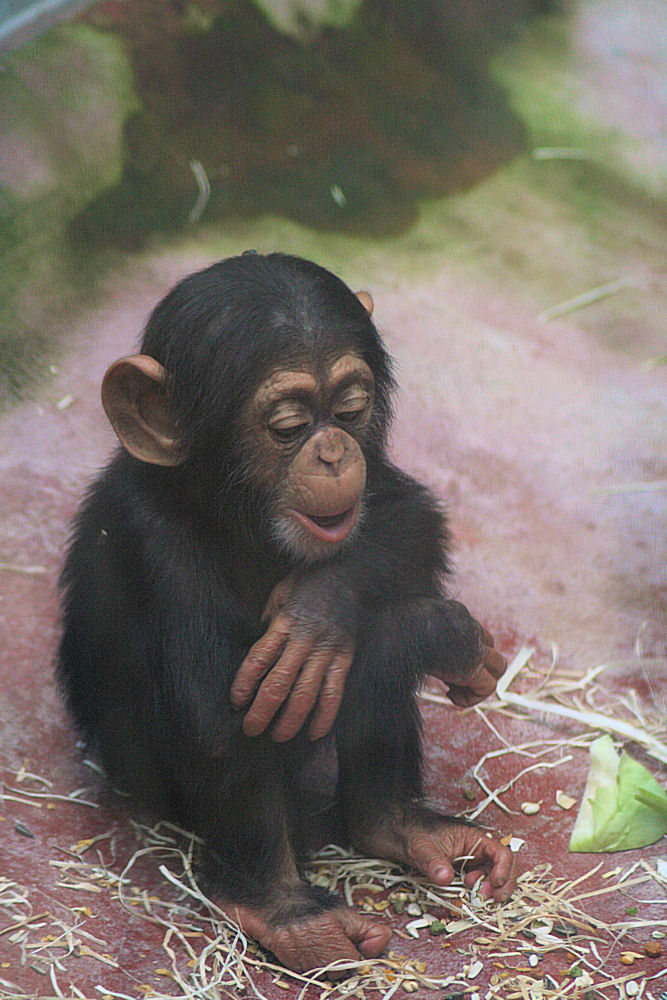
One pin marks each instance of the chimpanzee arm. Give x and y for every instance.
(399, 559)
(400, 555)
(146, 656)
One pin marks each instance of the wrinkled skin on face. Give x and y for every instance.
(308, 433)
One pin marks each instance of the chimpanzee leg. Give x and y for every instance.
(380, 764)
(242, 805)
(239, 804)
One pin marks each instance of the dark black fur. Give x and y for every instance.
(170, 568)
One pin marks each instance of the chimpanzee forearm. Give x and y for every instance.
(399, 555)
(323, 612)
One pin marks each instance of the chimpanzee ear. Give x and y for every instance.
(135, 400)
(366, 300)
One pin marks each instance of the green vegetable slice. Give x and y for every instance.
(623, 806)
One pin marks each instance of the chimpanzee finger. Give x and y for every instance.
(481, 683)
(464, 697)
(276, 686)
(495, 663)
(303, 696)
(259, 660)
(494, 861)
(331, 695)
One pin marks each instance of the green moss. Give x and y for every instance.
(63, 103)
(547, 81)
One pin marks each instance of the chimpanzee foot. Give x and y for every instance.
(432, 844)
(315, 940)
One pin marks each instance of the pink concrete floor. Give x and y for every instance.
(540, 438)
(537, 548)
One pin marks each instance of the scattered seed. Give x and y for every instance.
(410, 985)
(415, 926)
(627, 958)
(632, 988)
(414, 910)
(63, 403)
(653, 949)
(530, 808)
(475, 969)
(533, 960)
(564, 800)
(399, 901)
(24, 830)
(516, 843)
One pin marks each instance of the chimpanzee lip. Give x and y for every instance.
(329, 527)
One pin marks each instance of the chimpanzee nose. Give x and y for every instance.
(330, 449)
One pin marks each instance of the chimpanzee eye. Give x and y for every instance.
(352, 406)
(348, 416)
(287, 432)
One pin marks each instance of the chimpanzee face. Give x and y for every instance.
(267, 381)
(307, 433)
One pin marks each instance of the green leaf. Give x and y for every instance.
(623, 806)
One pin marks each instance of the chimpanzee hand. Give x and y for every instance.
(476, 667)
(303, 659)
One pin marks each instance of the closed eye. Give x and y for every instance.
(349, 416)
(287, 432)
(352, 406)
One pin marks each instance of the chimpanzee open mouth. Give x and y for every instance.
(332, 520)
(329, 527)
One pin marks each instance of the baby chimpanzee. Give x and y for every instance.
(250, 547)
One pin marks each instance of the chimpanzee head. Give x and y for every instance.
(263, 381)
